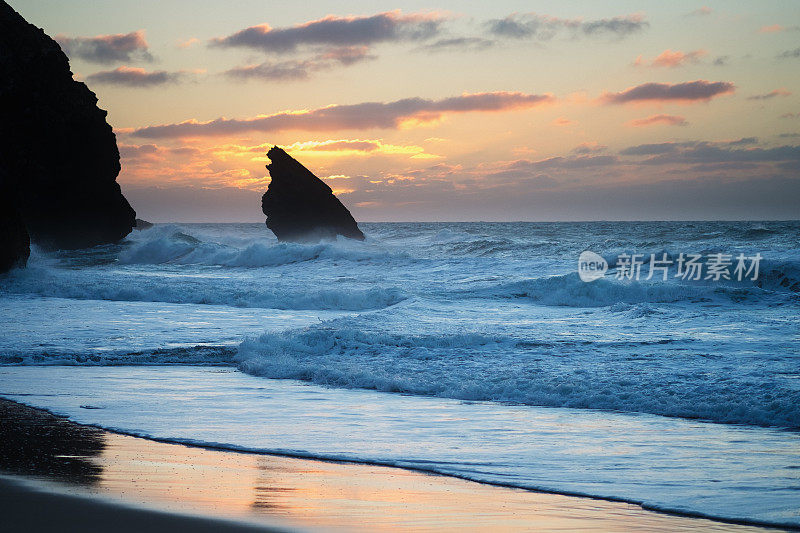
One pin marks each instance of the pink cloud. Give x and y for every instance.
(367, 115)
(671, 59)
(671, 120)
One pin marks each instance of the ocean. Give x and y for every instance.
(468, 349)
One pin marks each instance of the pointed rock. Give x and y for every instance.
(300, 207)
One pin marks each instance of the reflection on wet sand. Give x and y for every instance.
(298, 492)
(37, 443)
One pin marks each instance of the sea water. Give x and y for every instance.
(472, 349)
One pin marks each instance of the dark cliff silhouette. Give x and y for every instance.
(300, 206)
(59, 155)
(14, 240)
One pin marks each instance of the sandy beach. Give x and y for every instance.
(87, 477)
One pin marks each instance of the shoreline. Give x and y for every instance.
(68, 512)
(109, 465)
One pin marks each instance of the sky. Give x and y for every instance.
(453, 111)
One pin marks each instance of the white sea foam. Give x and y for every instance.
(611, 360)
(169, 244)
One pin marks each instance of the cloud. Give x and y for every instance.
(350, 147)
(301, 69)
(790, 115)
(743, 140)
(524, 167)
(188, 42)
(703, 11)
(346, 55)
(653, 149)
(789, 54)
(134, 151)
(619, 26)
(670, 59)
(721, 61)
(543, 27)
(589, 148)
(459, 44)
(337, 31)
(776, 28)
(692, 91)
(135, 77)
(770, 95)
(704, 152)
(366, 115)
(671, 120)
(718, 179)
(562, 121)
(106, 49)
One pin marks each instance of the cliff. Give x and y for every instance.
(57, 152)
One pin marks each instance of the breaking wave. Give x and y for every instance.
(669, 378)
(200, 290)
(170, 245)
(569, 291)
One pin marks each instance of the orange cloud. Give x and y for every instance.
(350, 147)
(242, 165)
(188, 42)
(777, 28)
(671, 59)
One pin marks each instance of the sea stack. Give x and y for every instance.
(300, 207)
(58, 156)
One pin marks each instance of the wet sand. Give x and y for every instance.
(87, 477)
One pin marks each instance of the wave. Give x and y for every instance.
(200, 355)
(657, 375)
(568, 290)
(195, 289)
(171, 245)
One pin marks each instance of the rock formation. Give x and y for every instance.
(15, 248)
(300, 206)
(14, 240)
(57, 152)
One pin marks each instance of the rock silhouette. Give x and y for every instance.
(58, 154)
(14, 240)
(143, 224)
(300, 207)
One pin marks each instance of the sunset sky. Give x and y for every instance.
(504, 110)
